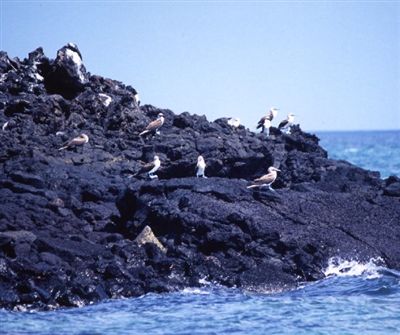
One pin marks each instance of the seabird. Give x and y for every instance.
(266, 180)
(285, 125)
(265, 121)
(137, 98)
(234, 122)
(153, 126)
(152, 167)
(3, 128)
(200, 167)
(79, 140)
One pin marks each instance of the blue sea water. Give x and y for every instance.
(354, 298)
(372, 150)
(362, 299)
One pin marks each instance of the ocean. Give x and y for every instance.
(354, 298)
(372, 150)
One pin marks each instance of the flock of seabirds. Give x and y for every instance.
(154, 126)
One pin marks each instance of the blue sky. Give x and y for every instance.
(335, 64)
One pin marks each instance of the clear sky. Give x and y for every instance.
(335, 64)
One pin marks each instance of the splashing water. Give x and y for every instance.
(346, 302)
(341, 267)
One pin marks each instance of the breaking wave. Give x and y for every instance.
(340, 267)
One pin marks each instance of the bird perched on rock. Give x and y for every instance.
(137, 98)
(266, 180)
(234, 122)
(152, 167)
(76, 141)
(285, 125)
(153, 126)
(200, 167)
(265, 121)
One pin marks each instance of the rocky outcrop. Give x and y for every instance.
(69, 219)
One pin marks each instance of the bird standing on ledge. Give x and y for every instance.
(151, 168)
(153, 126)
(234, 122)
(79, 140)
(267, 179)
(285, 125)
(265, 122)
(201, 166)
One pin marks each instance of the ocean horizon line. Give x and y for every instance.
(353, 131)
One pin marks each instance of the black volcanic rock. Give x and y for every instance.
(69, 219)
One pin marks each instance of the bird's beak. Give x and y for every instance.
(278, 170)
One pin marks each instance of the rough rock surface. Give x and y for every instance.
(69, 219)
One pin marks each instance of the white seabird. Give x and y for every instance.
(152, 167)
(137, 98)
(79, 140)
(266, 180)
(200, 167)
(265, 121)
(154, 125)
(285, 125)
(234, 122)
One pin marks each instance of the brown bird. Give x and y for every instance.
(149, 168)
(153, 126)
(265, 121)
(286, 125)
(79, 140)
(266, 180)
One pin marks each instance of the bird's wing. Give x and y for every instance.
(76, 141)
(283, 124)
(147, 167)
(154, 125)
(270, 116)
(265, 179)
(261, 122)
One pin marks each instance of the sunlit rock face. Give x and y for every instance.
(69, 219)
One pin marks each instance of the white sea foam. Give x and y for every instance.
(194, 290)
(204, 281)
(342, 267)
(352, 150)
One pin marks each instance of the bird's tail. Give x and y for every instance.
(252, 186)
(64, 147)
(143, 132)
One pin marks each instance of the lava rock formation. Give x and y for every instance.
(69, 220)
